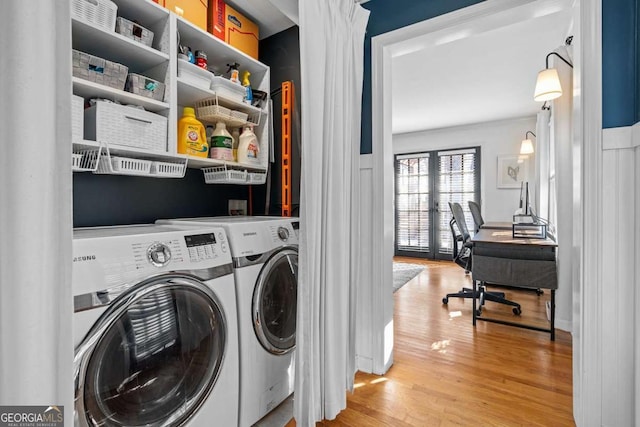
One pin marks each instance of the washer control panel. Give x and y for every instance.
(159, 254)
(284, 233)
(203, 246)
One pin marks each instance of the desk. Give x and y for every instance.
(497, 225)
(524, 263)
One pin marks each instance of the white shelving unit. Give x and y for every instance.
(159, 62)
(87, 89)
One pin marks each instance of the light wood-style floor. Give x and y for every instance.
(446, 373)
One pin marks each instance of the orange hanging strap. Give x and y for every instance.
(287, 110)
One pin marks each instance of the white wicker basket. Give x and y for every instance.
(96, 69)
(208, 110)
(134, 31)
(222, 175)
(239, 115)
(85, 158)
(145, 86)
(124, 165)
(168, 169)
(256, 177)
(101, 13)
(119, 125)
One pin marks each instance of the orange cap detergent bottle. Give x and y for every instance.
(192, 137)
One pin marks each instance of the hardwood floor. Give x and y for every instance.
(446, 373)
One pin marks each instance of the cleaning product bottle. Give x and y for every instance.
(248, 95)
(234, 74)
(192, 138)
(248, 148)
(221, 143)
(235, 134)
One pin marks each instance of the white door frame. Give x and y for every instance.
(587, 330)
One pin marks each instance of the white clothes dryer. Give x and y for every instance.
(155, 327)
(265, 259)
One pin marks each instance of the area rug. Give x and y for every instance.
(403, 272)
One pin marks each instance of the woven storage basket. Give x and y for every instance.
(101, 13)
(98, 70)
(134, 31)
(119, 125)
(145, 86)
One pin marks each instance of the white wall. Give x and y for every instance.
(618, 209)
(494, 138)
(619, 298)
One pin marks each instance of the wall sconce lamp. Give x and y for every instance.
(527, 145)
(548, 83)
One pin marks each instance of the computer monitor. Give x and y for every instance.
(524, 207)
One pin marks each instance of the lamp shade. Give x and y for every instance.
(548, 85)
(526, 147)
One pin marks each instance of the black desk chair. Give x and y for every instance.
(476, 214)
(462, 257)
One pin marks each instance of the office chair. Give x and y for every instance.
(463, 257)
(477, 216)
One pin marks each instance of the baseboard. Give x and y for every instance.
(364, 364)
(563, 325)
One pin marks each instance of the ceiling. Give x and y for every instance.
(487, 76)
(272, 16)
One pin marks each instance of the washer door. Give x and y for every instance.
(153, 357)
(275, 302)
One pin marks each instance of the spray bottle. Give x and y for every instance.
(248, 95)
(234, 73)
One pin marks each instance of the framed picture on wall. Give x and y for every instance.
(510, 172)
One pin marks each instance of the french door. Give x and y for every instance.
(425, 184)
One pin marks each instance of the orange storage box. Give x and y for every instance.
(233, 27)
(194, 11)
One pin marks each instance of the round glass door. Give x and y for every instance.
(275, 302)
(157, 356)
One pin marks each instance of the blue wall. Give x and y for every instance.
(620, 74)
(388, 16)
(620, 53)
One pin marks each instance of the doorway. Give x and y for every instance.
(425, 184)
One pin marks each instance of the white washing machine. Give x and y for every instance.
(265, 259)
(155, 327)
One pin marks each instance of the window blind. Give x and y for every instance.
(457, 183)
(412, 202)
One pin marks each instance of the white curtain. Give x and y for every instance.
(332, 60)
(36, 348)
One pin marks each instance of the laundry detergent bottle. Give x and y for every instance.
(221, 143)
(192, 137)
(248, 148)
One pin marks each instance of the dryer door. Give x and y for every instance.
(153, 357)
(275, 302)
